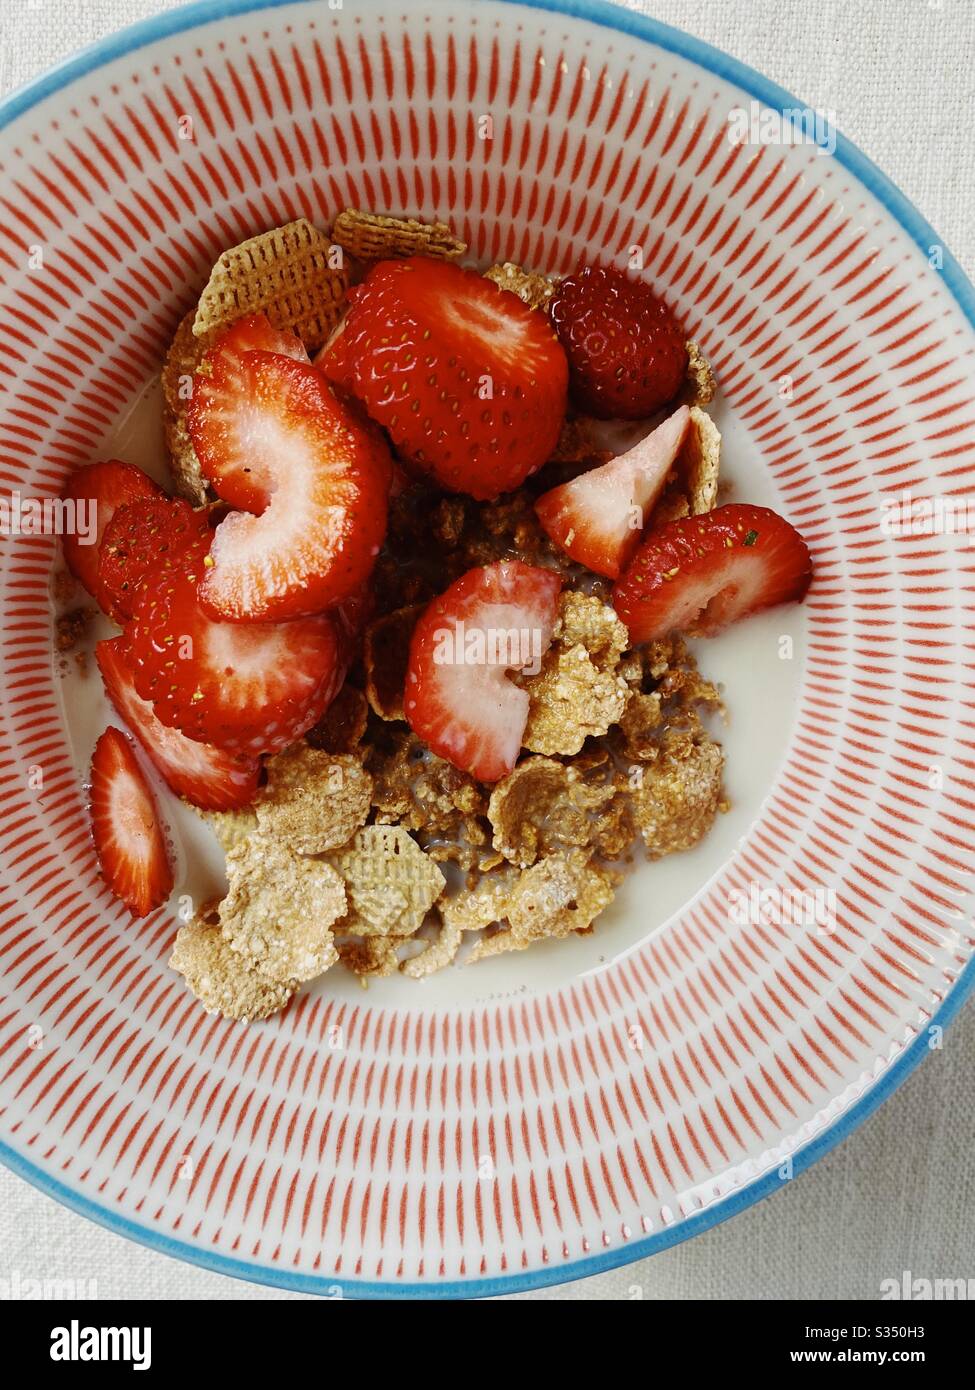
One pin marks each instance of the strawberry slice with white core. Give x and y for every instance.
(125, 827)
(97, 491)
(271, 436)
(248, 688)
(228, 426)
(207, 777)
(458, 696)
(700, 573)
(598, 518)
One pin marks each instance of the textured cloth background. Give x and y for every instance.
(900, 1193)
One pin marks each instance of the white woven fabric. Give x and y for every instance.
(900, 1193)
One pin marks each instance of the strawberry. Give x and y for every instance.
(458, 698)
(105, 486)
(125, 827)
(136, 541)
(626, 351)
(598, 517)
(245, 687)
(272, 437)
(207, 777)
(468, 381)
(226, 422)
(700, 573)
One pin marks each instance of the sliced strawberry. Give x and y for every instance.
(598, 518)
(458, 697)
(271, 436)
(700, 573)
(245, 687)
(105, 487)
(137, 541)
(469, 382)
(229, 427)
(208, 777)
(125, 826)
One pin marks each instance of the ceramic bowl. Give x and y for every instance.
(555, 1112)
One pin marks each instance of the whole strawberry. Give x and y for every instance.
(626, 351)
(469, 383)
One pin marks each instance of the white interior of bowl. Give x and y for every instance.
(618, 1082)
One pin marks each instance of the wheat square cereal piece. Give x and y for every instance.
(372, 236)
(288, 273)
(542, 806)
(561, 894)
(280, 909)
(341, 727)
(392, 884)
(532, 288)
(314, 801)
(701, 384)
(385, 653)
(677, 795)
(182, 360)
(232, 828)
(224, 981)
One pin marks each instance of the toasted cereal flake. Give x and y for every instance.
(71, 629)
(586, 621)
(534, 289)
(678, 794)
(232, 828)
(280, 908)
(288, 273)
(437, 953)
(385, 653)
(372, 236)
(383, 863)
(693, 487)
(472, 909)
(181, 362)
(371, 957)
(578, 443)
(640, 724)
(224, 981)
(561, 894)
(701, 383)
(314, 800)
(570, 700)
(343, 724)
(543, 806)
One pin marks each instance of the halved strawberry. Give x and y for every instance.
(137, 541)
(245, 687)
(104, 487)
(598, 518)
(700, 573)
(129, 843)
(228, 425)
(458, 697)
(469, 382)
(272, 437)
(209, 777)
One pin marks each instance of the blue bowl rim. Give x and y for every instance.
(920, 231)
